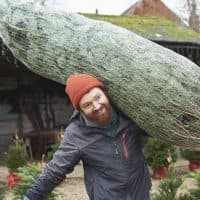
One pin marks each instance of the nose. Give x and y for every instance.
(96, 105)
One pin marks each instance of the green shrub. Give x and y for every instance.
(195, 193)
(185, 197)
(28, 174)
(3, 189)
(50, 153)
(16, 155)
(157, 153)
(191, 155)
(168, 187)
(54, 147)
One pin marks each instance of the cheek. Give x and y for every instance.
(87, 112)
(103, 100)
(106, 102)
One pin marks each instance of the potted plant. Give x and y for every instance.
(193, 157)
(15, 157)
(159, 155)
(29, 174)
(3, 190)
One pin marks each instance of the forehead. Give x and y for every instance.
(90, 95)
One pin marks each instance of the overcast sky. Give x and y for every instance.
(115, 7)
(110, 7)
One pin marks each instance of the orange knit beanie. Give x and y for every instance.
(78, 85)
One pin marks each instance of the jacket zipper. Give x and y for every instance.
(124, 145)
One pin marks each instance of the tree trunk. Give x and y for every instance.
(194, 18)
(157, 88)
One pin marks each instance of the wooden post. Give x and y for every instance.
(20, 100)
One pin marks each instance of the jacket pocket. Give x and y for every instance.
(124, 144)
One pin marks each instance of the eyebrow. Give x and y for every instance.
(88, 102)
(85, 104)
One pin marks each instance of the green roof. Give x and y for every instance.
(151, 27)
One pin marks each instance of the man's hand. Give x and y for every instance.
(26, 198)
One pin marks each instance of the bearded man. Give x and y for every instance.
(107, 142)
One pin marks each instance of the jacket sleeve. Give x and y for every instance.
(63, 162)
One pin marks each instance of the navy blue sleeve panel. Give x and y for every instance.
(63, 162)
(144, 137)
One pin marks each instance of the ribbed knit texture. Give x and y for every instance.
(78, 85)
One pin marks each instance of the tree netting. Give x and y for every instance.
(154, 86)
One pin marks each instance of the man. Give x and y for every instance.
(108, 143)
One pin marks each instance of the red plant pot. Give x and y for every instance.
(160, 173)
(194, 165)
(12, 179)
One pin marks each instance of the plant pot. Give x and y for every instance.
(194, 165)
(160, 173)
(12, 179)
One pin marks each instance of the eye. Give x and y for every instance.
(86, 105)
(98, 97)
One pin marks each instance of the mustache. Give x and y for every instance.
(96, 111)
(103, 106)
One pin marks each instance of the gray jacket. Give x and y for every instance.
(114, 167)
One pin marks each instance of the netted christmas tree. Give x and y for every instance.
(154, 86)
